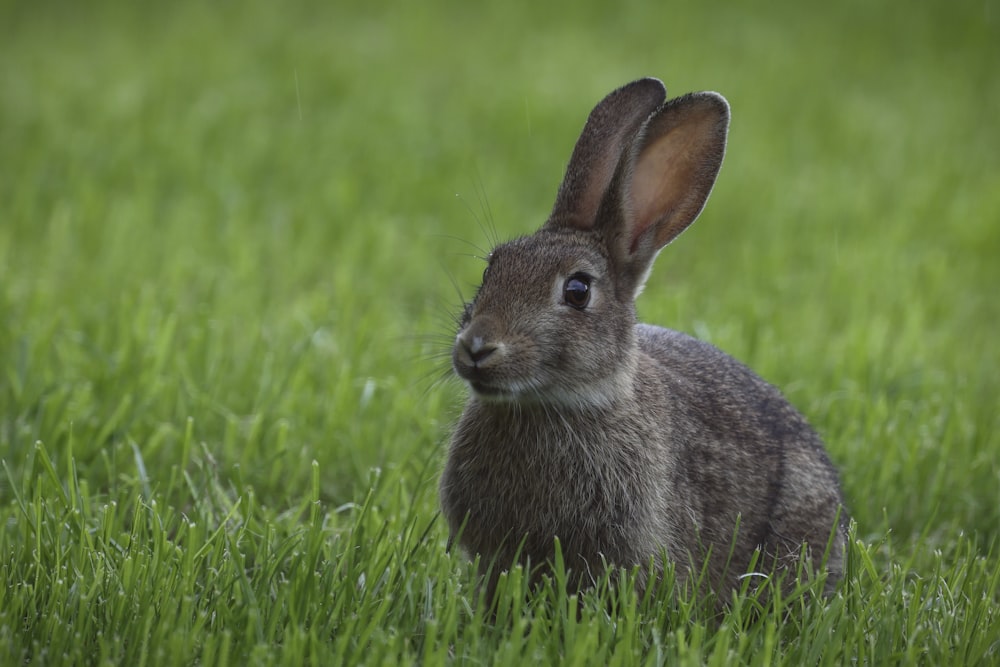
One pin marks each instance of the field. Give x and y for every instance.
(232, 239)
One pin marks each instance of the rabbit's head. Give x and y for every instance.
(553, 320)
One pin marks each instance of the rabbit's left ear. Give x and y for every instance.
(664, 180)
(607, 135)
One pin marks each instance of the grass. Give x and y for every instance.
(227, 241)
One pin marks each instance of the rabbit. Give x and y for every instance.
(628, 442)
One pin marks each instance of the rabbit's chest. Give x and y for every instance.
(561, 479)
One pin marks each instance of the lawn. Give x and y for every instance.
(232, 240)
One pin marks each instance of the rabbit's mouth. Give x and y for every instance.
(500, 392)
(495, 392)
(488, 391)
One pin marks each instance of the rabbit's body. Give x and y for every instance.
(626, 441)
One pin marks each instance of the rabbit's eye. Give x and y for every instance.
(576, 291)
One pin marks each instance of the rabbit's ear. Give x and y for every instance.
(666, 178)
(610, 130)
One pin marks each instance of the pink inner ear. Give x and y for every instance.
(661, 186)
(673, 175)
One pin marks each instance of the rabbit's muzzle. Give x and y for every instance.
(494, 362)
(477, 358)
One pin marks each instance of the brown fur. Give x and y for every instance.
(625, 440)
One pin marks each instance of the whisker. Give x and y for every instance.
(434, 379)
(456, 287)
(464, 241)
(484, 204)
(483, 225)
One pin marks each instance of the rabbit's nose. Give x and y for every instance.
(476, 348)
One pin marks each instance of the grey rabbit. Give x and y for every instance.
(626, 441)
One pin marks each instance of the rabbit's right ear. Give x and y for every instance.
(663, 181)
(610, 130)
(670, 171)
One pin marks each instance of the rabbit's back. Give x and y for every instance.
(747, 466)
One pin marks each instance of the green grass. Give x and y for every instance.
(228, 235)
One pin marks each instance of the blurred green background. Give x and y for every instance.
(233, 237)
(249, 219)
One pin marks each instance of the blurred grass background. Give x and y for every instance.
(229, 231)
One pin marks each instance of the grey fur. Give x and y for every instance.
(624, 440)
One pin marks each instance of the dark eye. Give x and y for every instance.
(576, 290)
